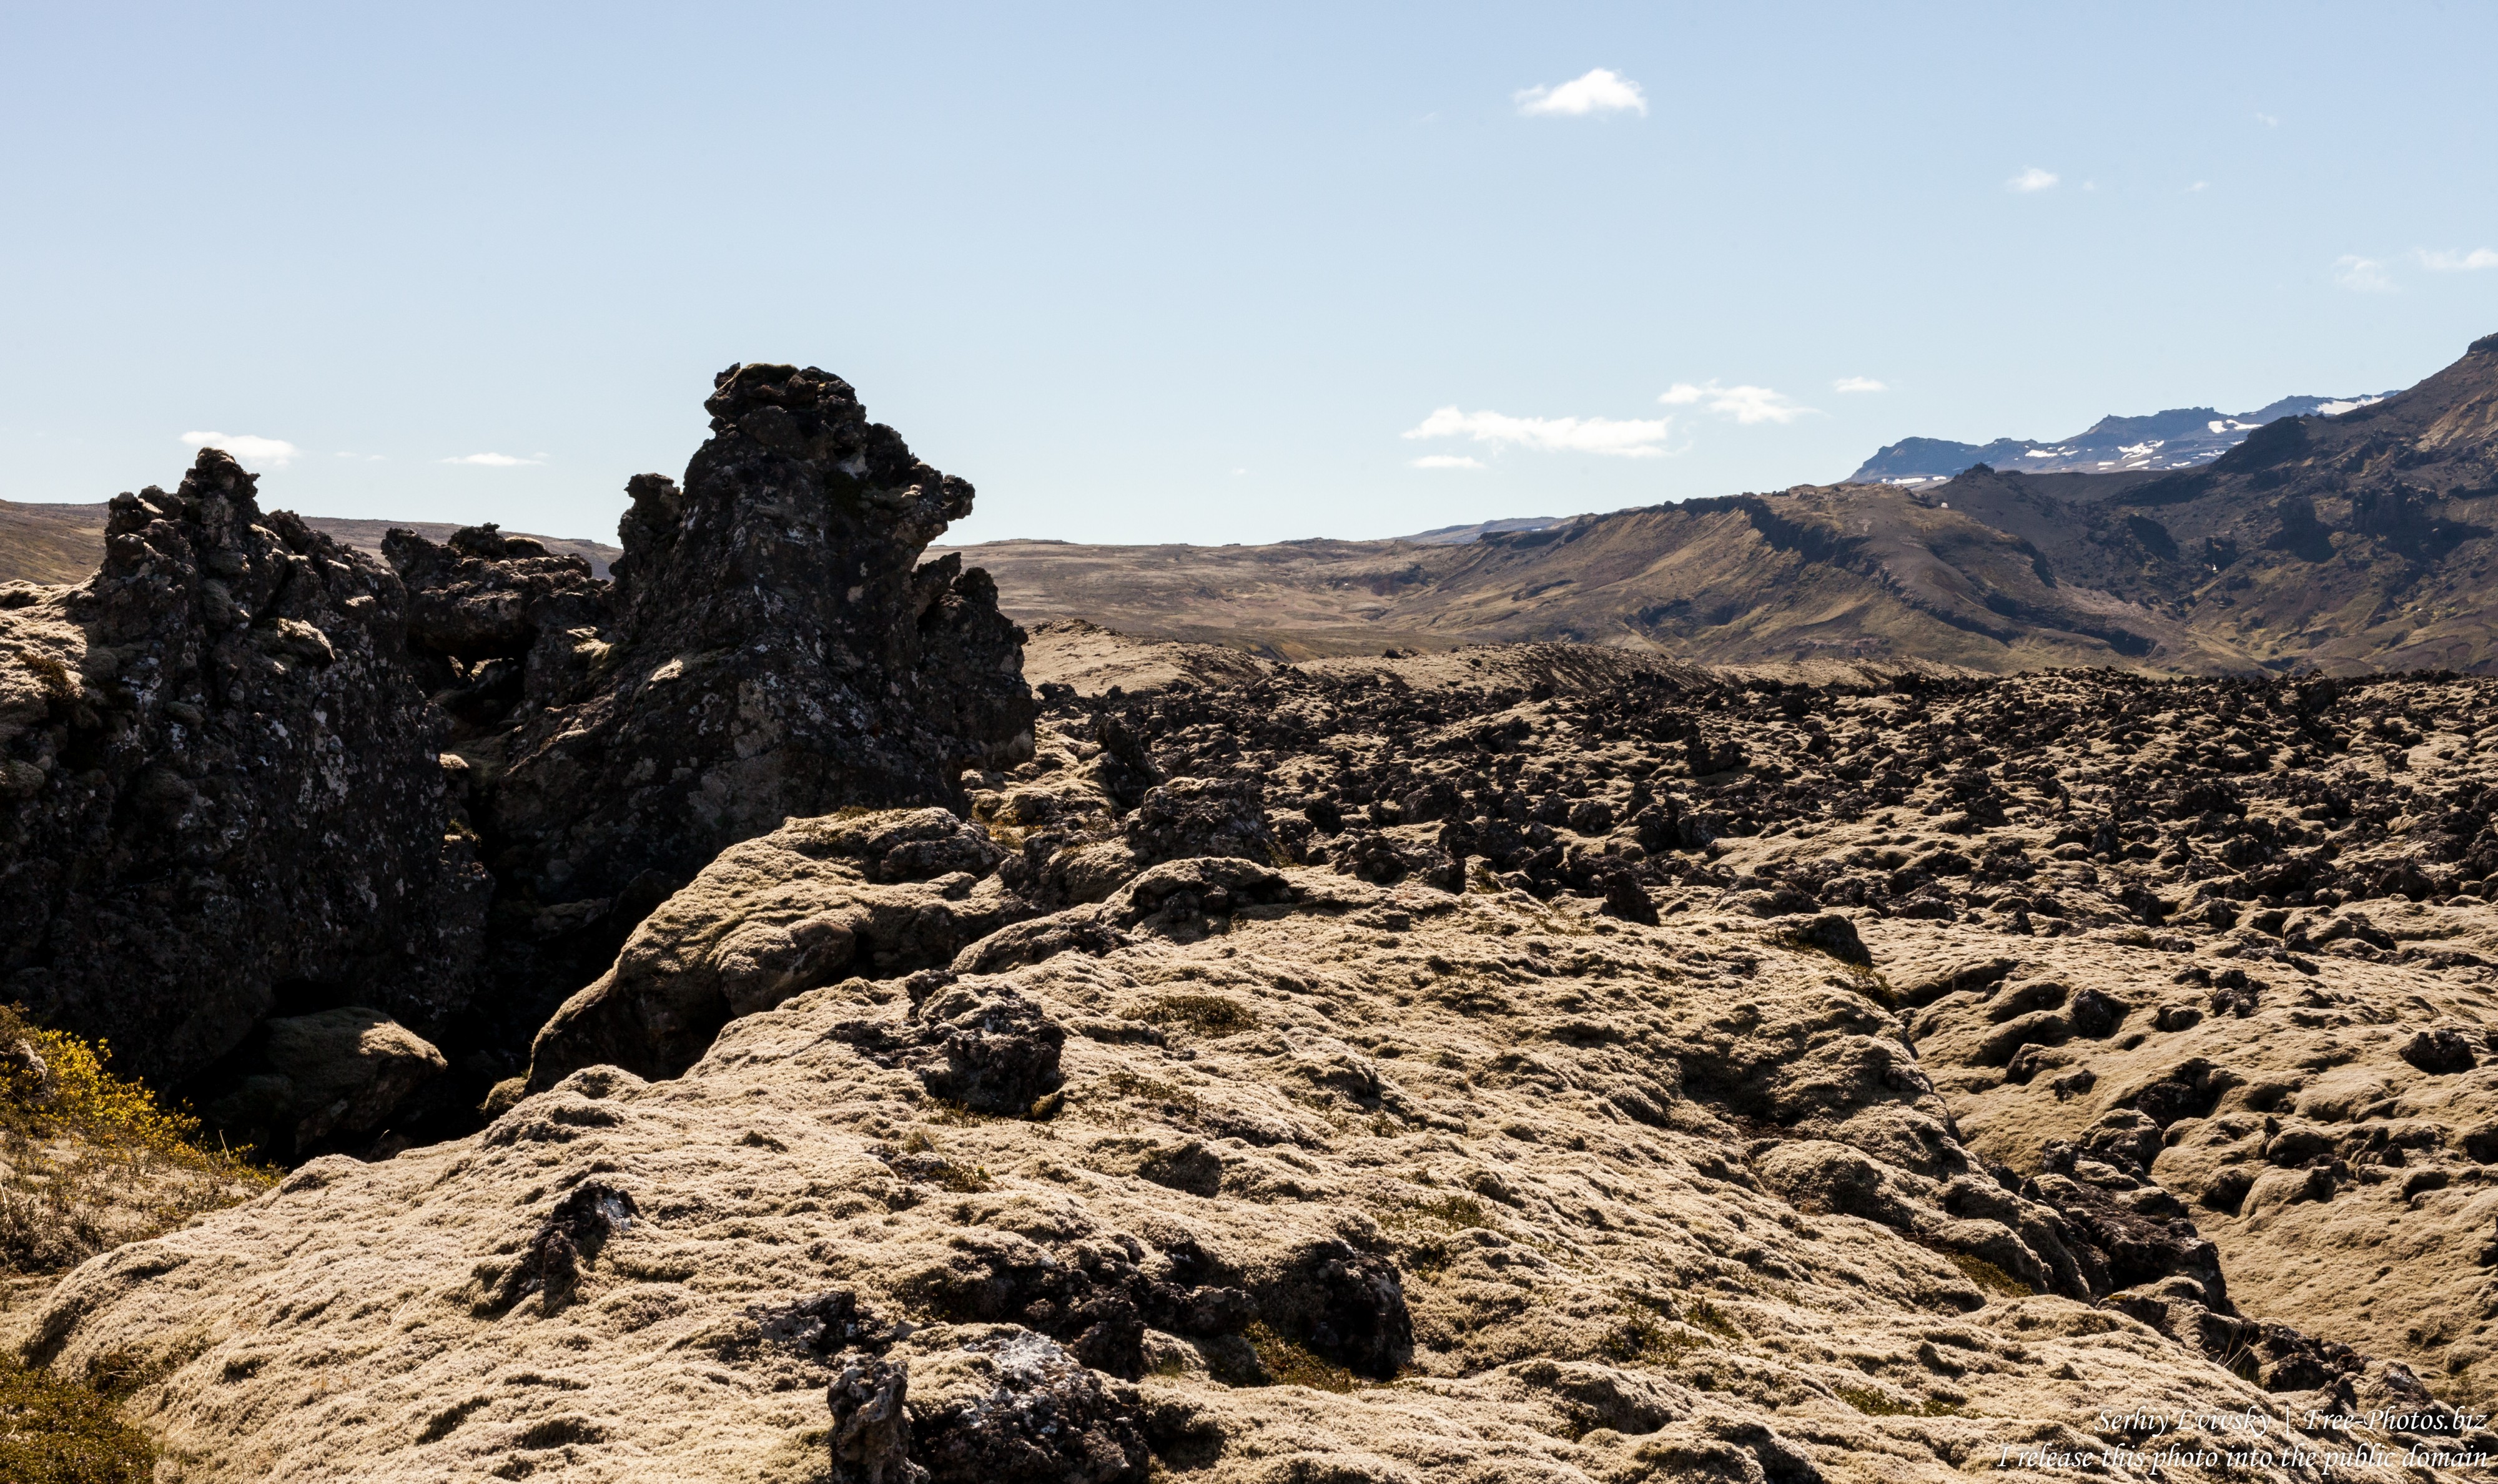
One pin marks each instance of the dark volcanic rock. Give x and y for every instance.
(2440, 1051)
(1350, 1307)
(1189, 817)
(220, 795)
(871, 1431)
(494, 621)
(223, 788)
(1000, 1052)
(773, 649)
(1045, 1420)
(993, 1052)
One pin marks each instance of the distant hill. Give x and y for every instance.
(2345, 539)
(65, 542)
(2178, 438)
(1459, 535)
(49, 543)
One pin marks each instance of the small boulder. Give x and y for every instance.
(994, 1053)
(2440, 1053)
(1625, 899)
(1044, 1419)
(1200, 817)
(573, 1232)
(327, 1078)
(1346, 1304)
(2095, 1015)
(1832, 934)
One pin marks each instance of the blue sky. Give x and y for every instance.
(1199, 273)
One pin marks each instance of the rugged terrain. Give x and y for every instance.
(861, 1040)
(1515, 1063)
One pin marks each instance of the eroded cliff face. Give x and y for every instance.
(222, 796)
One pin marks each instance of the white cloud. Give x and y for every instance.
(2267, 120)
(493, 461)
(1857, 384)
(1601, 90)
(2200, 185)
(1446, 462)
(1744, 404)
(1621, 438)
(274, 453)
(2362, 275)
(2458, 262)
(2031, 180)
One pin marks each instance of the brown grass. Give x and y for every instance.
(1639, 1339)
(1704, 1315)
(1873, 1403)
(1990, 1278)
(57, 1432)
(1288, 1362)
(89, 1161)
(1207, 1014)
(920, 1160)
(1174, 1100)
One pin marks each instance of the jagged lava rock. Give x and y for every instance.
(222, 795)
(781, 653)
(1587, 1197)
(497, 622)
(775, 650)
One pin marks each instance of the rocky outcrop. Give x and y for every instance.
(222, 788)
(220, 795)
(772, 648)
(778, 653)
(878, 895)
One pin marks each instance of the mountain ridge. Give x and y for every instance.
(2176, 437)
(2343, 542)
